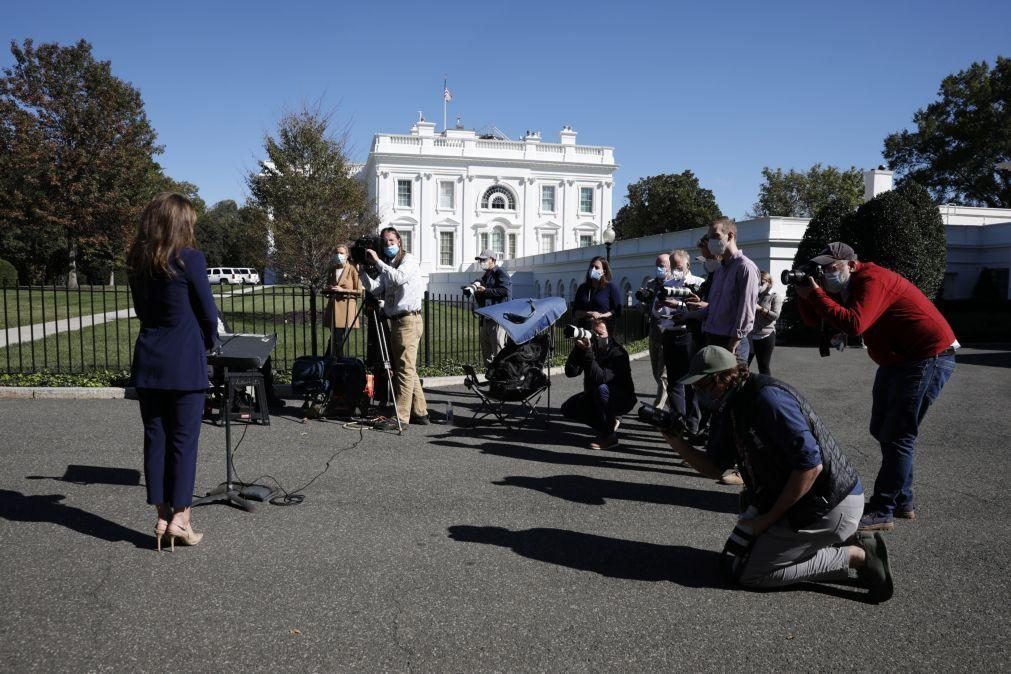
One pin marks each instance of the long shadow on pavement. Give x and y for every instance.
(611, 557)
(593, 491)
(596, 460)
(17, 507)
(85, 475)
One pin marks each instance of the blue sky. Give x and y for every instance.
(719, 88)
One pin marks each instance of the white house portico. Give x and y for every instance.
(455, 194)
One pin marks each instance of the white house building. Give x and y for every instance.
(455, 193)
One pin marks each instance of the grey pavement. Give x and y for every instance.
(456, 549)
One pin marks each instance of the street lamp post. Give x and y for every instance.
(608, 238)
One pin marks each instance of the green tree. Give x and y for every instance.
(825, 227)
(306, 186)
(960, 138)
(76, 160)
(665, 203)
(903, 231)
(233, 236)
(801, 194)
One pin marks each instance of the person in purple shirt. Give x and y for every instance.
(178, 319)
(597, 297)
(729, 315)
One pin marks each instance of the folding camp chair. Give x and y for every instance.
(515, 383)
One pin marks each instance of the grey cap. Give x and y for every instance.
(485, 254)
(833, 252)
(709, 360)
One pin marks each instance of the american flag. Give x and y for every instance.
(446, 95)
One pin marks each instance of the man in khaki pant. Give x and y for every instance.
(396, 279)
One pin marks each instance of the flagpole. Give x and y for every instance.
(445, 103)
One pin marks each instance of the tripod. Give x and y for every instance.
(371, 305)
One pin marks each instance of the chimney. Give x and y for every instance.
(877, 181)
(568, 136)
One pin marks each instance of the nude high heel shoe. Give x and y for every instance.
(186, 535)
(159, 531)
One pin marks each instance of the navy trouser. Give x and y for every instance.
(172, 422)
(598, 407)
(902, 395)
(678, 349)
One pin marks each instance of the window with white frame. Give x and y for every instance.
(404, 193)
(547, 243)
(498, 197)
(483, 241)
(548, 198)
(513, 246)
(498, 243)
(585, 240)
(447, 246)
(586, 200)
(447, 194)
(407, 238)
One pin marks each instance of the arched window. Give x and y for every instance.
(498, 242)
(498, 197)
(547, 288)
(537, 289)
(572, 290)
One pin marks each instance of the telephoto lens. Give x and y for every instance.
(575, 332)
(644, 295)
(678, 293)
(469, 290)
(791, 277)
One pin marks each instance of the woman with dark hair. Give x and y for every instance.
(172, 298)
(597, 297)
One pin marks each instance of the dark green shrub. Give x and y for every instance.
(8, 274)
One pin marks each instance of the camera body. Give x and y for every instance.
(645, 294)
(665, 420)
(576, 332)
(470, 289)
(791, 277)
(371, 242)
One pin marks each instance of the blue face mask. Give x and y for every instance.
(339, 259)
(596, 274)
(391, 251)
(661, 272)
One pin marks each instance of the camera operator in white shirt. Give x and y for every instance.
(398, 282)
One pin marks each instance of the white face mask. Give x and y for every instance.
(488, 264)
(596, 274)
(677, 275)
(711, 265)
(717, 246)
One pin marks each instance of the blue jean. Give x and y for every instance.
(902, 395)
(598, 407)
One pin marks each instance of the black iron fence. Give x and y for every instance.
(93, 328)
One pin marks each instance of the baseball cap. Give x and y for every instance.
(834, 251)
(485, 254)
(709, 360)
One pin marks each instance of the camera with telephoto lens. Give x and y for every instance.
(361, 246)
(645, 295)
(665, 420)
(575, 332)
(791, 277)
(677, 293)
(469, 290)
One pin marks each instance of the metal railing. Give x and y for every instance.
(93, 328)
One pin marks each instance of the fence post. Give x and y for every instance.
(312, 320)
(427, 326)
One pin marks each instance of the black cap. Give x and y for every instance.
(834, 251)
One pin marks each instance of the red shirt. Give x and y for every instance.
(899, 324)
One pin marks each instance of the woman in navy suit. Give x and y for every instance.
(172, 298)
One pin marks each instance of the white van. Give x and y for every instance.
(248, 275)
(222, 275)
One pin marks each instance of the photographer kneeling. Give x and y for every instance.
(608, 391)
(804, 499)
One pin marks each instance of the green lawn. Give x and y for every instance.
(26, 306)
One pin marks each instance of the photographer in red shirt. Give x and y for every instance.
(914, 348)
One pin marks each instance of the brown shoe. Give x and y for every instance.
(904, 514)
(731, 476)
(609, 442)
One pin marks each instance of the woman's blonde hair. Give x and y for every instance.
(166, 227)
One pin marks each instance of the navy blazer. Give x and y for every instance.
(179, 323)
